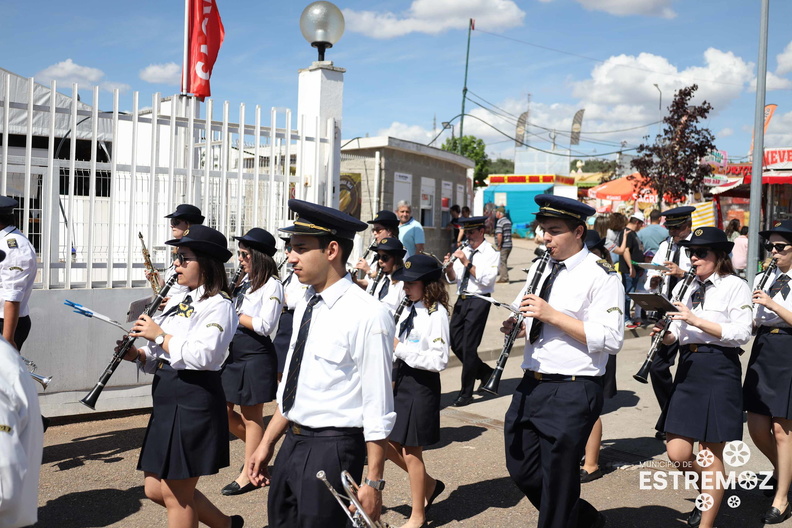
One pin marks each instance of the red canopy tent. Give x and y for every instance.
(624, 189)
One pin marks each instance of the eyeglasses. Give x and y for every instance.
(244, 254)
(176, 222)
(287, 248)
(377, 229)
(674, 227)
(699, 252)
(384, 257)
(769, 246)
(181, 257)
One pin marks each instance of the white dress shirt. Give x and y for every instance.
(264, 306)
(486, 261)
(198, 342)
(394, 295)
(660, 257)
(726, 302)
(17, 270)
(345, 377)
(426, 346)
(293, 290)
(21, 441)
(765, 317)
(585, 291)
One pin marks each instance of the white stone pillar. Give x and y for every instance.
(320, 97)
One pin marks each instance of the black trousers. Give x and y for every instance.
(660, 372)
(297, 499)
(466, 329)
(545, 435)
(22, 331)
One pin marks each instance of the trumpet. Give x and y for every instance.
(44, 380)
(153, 273)
(360, 519)
(508, 342)
(643, 372)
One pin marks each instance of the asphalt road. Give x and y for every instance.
(88, 475)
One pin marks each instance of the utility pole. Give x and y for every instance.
(471, 25)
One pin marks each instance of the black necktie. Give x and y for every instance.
(407, 325)
(671, 279)
(699, 294)
(466, 277)
(183, 309)
(536, 326)
(288, 277)
(241, 295)
(290, 391)
(384, 290)
(781, 284)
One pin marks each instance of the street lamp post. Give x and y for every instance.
(446, 125)
(660, 103)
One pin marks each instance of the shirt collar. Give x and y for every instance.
(197, 293)
(334, 292)
(575, 259)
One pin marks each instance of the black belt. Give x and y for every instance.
(303, 430)
(774, 330)
(463, 297)
(703, 347)
(538, 376)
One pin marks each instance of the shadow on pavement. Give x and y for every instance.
(89, 509)
(449, 435)
(469, 500)
(623, 398)
(106, 447)
(644, 517)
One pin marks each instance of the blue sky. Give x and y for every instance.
(405, 62)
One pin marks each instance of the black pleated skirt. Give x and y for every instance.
(706, 399)
(768, 382)
(609, 388)
(416, 400)
(250, 374)
(187, 434)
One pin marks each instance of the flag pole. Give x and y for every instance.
(186, 46)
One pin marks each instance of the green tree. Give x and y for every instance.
(501, 166)
(474, 149)
(672, 164)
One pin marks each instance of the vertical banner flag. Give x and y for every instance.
(519, 139)
(205, 36)
(577, 124)
(768, 115)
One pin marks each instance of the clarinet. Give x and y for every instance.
(657, 340)
(234, 288)
(668, 257)
(453, 259)
(90, 400)
(404, 304)
(768, 272)
(508, 342)
(376, 282)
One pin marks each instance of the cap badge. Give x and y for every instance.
(408, 265)
(777, 224)
(699, 232)
(384, 241)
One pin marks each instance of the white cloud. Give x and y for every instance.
(68, 72)
(784, 60)
(414, 133)
(779, 132)
(169, 73)
(111, 86)
(774, 82)
(726, 132)
(656, 8)
(434, 17)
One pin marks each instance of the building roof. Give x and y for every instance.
(387, 142)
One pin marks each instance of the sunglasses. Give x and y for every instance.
(176, 222)
(697, 252)
(182, 258)
(384, 257)
(779, 247)
(244, 254)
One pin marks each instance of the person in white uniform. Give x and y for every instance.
(388, 289)
(17, 276)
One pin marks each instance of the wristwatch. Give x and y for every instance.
(160, 339)
(378, 485)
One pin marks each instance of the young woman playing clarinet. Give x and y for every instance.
(187, 435)
(250, 374)
(767, 391)
(421, 352)
(385, 287)
(713, 321)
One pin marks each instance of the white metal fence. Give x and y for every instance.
(88, 180)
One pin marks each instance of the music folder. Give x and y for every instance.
(653, 302)
(136, 308)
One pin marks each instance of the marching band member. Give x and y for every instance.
(713, 321)
(293, 291)
(574, 324)
(181, 219)
(335, 402)
(187, 434)
(678, 221)
(17, 276)
(384, 225)
(421, 352)
(388, 289)
(474, 271)
(250, 374)
(766, 391)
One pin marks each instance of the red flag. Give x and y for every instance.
(473, 23)
(205, 36)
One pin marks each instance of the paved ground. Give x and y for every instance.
(88, 476)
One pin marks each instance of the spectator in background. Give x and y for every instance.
(411, 232)
(489, 213)
(732, 229)
(461, 235)
(616, 226)
(503, 242)
(453, 226)
(652, 235)
(629, 251)
(739, 255)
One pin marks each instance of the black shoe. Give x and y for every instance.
(237, 521)
(694, 519)
(439, 488)
(585, 476)
(773, 516)
(461, 401)
(236, 489)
